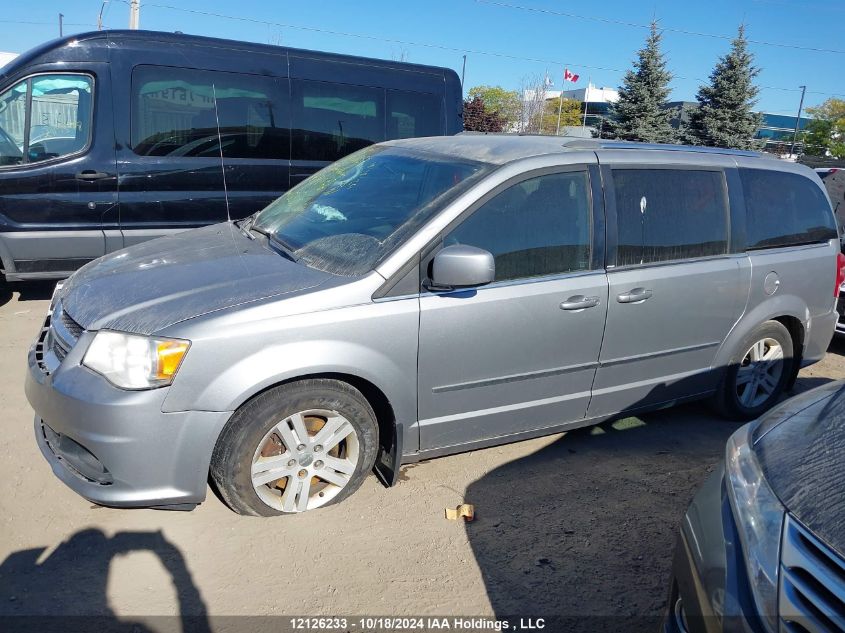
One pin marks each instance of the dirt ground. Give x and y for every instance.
(581, 523)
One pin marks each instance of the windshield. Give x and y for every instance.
(347, 217)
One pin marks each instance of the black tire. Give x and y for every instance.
(727, 401)
(231, 461)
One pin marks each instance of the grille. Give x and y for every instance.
(72, 326)
(59, 335)
(812, 583)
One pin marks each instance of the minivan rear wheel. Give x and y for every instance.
(758, 373)
(296, 447)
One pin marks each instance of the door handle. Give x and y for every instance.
(90, 174)
(579, 302)
(637, 295)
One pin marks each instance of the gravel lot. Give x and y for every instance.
(581, 523)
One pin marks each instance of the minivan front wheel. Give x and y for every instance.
(757, 374)
(296, 447)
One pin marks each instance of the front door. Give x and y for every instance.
(519, 354)
(58, 183)
(675, 291)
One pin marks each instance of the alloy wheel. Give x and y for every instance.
(759, 373)
(305, 460)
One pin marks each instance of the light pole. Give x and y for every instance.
(100, 16)
(798, 120)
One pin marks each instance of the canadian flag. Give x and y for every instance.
(568, 76)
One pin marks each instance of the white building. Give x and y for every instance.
(588, 94)
(591, 94)
(5, 58)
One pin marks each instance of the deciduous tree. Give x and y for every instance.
(505, 103)
(478, 119)
(825, 134)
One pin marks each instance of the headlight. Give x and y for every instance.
(759, 519)
(135, 362)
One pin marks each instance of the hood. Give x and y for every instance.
(803, 459)
(147, 287)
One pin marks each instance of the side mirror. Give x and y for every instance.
(462, 266)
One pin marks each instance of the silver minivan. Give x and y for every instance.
(430, 296)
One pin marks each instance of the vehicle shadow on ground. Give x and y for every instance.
(26, 290)
(65, 590)
(548, 538)
(837, 345)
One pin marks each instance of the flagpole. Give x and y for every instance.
(560, 103)
(586, 98)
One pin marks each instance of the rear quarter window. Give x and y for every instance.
(785, 209)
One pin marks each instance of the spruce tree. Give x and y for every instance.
(641, 113)
(724, 117)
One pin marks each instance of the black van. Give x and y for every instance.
(111, 138)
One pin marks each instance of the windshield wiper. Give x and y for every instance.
(282, 247)
(244, 225)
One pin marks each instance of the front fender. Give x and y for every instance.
(279, 363)
(238, 353)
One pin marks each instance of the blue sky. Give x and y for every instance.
(599, 48)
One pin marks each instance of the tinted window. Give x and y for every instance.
(784, 209)
(59, 118)
(412, 114)
(173, 114)
(345, 218)
(333, 120)
(667, 214)
(540, 226)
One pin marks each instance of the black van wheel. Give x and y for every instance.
(758, 373)
(295, 447)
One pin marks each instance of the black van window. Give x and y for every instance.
(59, 122)
(669, 214)
(333, 120)
(784, 209)
(540, 226)
(412, 114)
(174, 114)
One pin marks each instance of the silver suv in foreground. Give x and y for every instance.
(431, 296)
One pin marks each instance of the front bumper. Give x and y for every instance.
(708, 571)
(151, 458)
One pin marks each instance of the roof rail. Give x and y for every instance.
(609, 144)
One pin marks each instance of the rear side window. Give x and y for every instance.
(333, 120)
(45, 117)
(174, 114)
(412, 114)
(669, 214)
(540, 226)
(784, 209)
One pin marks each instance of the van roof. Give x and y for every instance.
(504, 148)
(103, 40)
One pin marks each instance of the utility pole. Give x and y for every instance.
(61, 26)
(134, 14)
(463, 73)
(798, 120)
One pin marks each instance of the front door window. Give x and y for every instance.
(45, 117)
